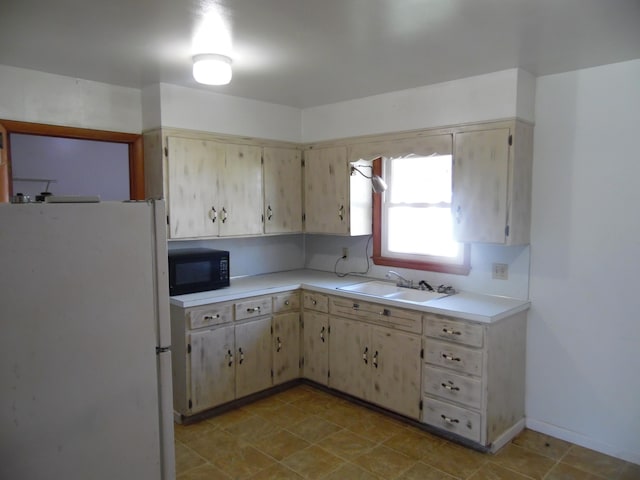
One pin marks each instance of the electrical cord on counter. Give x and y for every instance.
(366, 255)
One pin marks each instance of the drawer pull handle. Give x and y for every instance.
(451, 358)
(211, 317)
(269, 213)
(213, 214)
(451, 332)
(375, 359)
(322, 334)
(450, 421)
(314, 301)
(365, 355)
(241, 356)
(224, 215)
(279, 345)
(341, 212)
(450, 386)
(229, 356)
(287, 303)
(386, 312)
(253, 310)
(356, 306)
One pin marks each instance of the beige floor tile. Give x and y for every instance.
(346, 444)
(265, 405)
(186, 459)
(243, 462)
(214, 444)
(491, 471)
(313, 462)
(345, 415)
(455, 460)
(630, 471)
(524, 461)
(413, 443)
(349, 471)
(315, 403)
(280, 445)
(185, 433)
(204, 472)
(314, 428)
(375, 426)
(593, 462)
(385, 462)
(284, 416)
(562, 471)
(543, 444)
(422, 471)
(296, 393)
(276, 472)
(230, 418)
(253, 427)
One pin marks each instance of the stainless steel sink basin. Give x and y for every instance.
(386, 290)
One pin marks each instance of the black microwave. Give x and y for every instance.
(197, 270)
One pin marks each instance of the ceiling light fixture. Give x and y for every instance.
(212, 69)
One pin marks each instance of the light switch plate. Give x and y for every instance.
(500, 271)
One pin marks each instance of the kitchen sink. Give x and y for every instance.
(391, 291)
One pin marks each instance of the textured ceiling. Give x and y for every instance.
(312, 52)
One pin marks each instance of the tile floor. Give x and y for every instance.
(308, 433)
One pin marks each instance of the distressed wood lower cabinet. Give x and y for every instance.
(315, 337)
(461, 377)
(375, 354)
(473, 377)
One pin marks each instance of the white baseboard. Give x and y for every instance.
(582, 440)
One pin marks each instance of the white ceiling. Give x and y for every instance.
(312, 52)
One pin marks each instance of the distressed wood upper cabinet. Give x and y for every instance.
(282, 174)
(336, 201)
(212, 188)
(492, 184)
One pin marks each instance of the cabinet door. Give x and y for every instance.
(211, 368)
(395, 367)
(350, 357)
(253, 356)
(192, 167)
(315, 338)
(282, 170)
(240, 186)
(326, 191)
(286, 347)
(480, 185)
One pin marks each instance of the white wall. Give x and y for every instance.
(30, 96)
(498, 95)
(195, 109)
(583, 345)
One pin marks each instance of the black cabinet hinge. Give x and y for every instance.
(167, 219)
(304, 218)
(510, 140)
(190, 404)
(166, 152)
(302, 162)
(188, 348)
(506, 231)
(420, 405)
(422, 353)
(271, 329)
(272, 373)
(328, 373)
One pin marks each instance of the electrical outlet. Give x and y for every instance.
(345, 252)
(500, 271)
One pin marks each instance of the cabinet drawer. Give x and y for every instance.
(315, 301)
(455, 357)
(398, 318)
(209, 316)
(286, 302)
(254, 307)
(460, 421)
(446, 328)
(451, 386)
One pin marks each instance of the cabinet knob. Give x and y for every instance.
(375, 359)
(287, 303)
(229, 357)
(365, 355)
(322, 334)
(314, 301)
(341, 212)
(213, 214)
(241, 356)
(224, 215)
(279, 344)
(269, 212)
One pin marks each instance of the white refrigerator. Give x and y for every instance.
(85, 365)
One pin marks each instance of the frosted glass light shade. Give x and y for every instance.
(212, 69)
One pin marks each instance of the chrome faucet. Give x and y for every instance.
(402, 282)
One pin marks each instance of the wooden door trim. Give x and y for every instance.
(133, 140)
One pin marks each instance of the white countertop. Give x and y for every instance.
(466, 305)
